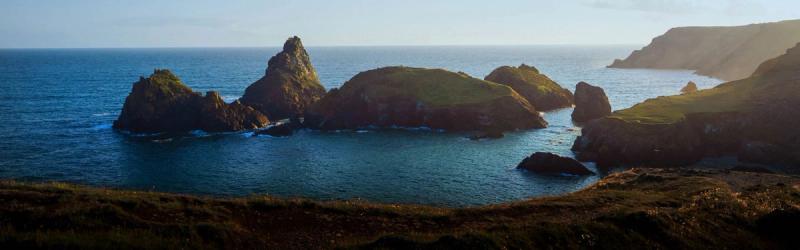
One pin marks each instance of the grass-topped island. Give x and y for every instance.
(418, 97)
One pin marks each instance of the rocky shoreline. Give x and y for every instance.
(752, 119)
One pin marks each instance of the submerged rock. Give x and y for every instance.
(417, 97)
(486, 135)
(753, 119)
(590, 103)
(690, 87)
(544, 93)
(289, 86)
(552, 164)
(162, 103)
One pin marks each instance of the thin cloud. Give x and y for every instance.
(662, 6)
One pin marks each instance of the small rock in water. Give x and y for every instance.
(552, 164)
(486, 135)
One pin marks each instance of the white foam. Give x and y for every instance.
(229, 98)
(102, 127)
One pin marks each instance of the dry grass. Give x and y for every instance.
(646, 208)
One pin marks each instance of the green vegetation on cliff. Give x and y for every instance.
(727, 97)
(538, 89)
(774, 81)
(434, 87)
(728, 53)
(642, 208)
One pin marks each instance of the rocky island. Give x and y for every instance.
(754, 119)
(542, 92)
(728, 53)
(289, 86)
(418, 97)
(162, 103)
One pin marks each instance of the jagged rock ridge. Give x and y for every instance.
(289, 86)
(162, 103)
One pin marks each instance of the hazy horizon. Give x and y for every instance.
(351, 23)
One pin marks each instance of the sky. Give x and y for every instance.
(251, 23)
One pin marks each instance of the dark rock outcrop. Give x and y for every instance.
(544, 93)
(690, 87)
(552, 164)
(278, 130)
(416, 97)
(162, 103)
(753, 118)
(290, 85)
(591, 103)
(728, 53)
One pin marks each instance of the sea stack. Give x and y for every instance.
(417, 97)
(690, 87)
(289, 86)
(162, 103)
(544, 93)
(591, 103)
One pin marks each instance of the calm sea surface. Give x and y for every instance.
(57, 106)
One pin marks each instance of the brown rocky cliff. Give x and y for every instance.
(728, 53)
(162, 103)
(289, 86)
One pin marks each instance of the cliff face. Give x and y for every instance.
(414, 97)
(728, 53)
(753, 118)
(162, 103)
(544, 93)
(591, 103)
(289, 86)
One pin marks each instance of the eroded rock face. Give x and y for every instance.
(544, 93)
(162, 103)
(753, 119)
(416, 97)
(552, 164)
(289, 86)
(590, 103)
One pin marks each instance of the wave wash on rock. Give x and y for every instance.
(417, 97)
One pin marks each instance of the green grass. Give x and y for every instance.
(728, 97)
(168, 83)
(434, 87)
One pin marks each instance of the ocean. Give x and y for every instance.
(57, 106)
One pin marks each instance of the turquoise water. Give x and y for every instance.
(57, 105)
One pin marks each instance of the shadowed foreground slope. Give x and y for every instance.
(650, 208)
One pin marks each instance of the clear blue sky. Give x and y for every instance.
(199, 23)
